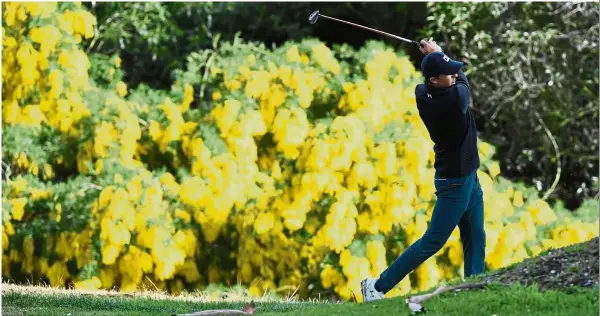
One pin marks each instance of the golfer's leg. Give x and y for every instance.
(472, 233)
(448, 210)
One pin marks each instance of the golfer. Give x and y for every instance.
(443, 104)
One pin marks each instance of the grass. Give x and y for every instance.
(495, 300)
(500, 299)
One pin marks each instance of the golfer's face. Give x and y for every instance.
(445, 81)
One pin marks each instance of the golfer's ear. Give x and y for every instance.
(432, 79)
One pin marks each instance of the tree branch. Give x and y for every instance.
(414, 303)
(558, 163)
(206, 70)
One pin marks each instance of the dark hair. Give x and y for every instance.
(428, 81)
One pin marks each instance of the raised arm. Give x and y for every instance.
(464, 91)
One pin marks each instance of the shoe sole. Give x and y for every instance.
(362, 289)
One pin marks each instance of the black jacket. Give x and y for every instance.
(451, 126)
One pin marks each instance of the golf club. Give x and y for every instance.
(315, 16)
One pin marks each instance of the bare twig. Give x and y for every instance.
(354, 296)
(7, 171)
(206, 70)
(415, 302)
(100, 29)
(155, 287)
(509, 100)
(558, 164)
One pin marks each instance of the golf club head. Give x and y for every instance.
(313, 17)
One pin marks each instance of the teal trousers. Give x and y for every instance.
(459, 202)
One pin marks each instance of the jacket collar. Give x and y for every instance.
(435, 90)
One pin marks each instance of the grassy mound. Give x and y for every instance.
(562, 268)
(559, 282)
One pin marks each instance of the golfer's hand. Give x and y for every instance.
(428, 47)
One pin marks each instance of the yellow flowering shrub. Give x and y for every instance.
(299, 166)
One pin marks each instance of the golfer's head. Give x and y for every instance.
(439, 70)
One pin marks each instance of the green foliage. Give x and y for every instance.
(144, 94)
(104, 70)
(42, 145)
(532, 66)
(154, 39)
(142, 33)
(587, 211)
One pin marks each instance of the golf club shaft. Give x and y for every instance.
(370, 29)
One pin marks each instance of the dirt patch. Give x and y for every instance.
(575, 265)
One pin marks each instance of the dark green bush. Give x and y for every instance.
(154, 39)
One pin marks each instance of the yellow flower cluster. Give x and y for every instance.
(44, 70)
(259, 189)
(37, 61)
